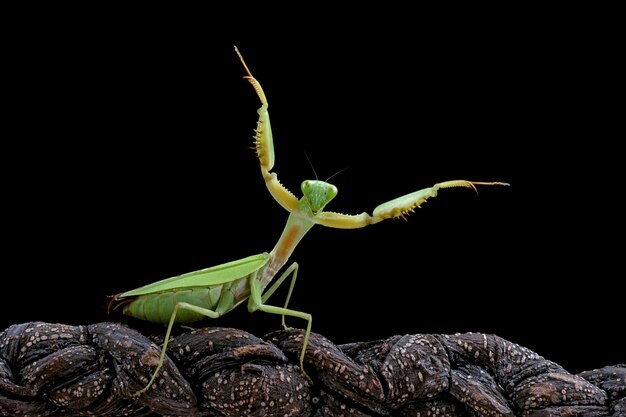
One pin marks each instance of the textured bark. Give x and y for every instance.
(51, 369)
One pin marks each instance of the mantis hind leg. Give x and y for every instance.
(181, 305)
(257, 302)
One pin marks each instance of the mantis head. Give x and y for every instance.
(317, 194)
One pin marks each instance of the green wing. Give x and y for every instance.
(207, 277)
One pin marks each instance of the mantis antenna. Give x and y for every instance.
(311, 165)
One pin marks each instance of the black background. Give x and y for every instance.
(126, 159)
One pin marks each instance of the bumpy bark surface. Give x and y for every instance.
(51, 369)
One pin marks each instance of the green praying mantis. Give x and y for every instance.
(214, 291)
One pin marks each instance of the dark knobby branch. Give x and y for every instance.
(54, 369)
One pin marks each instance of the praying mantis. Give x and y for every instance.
(214, 291)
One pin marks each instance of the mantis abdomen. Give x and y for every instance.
(158, 307)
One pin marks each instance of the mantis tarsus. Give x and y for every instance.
(213, 292)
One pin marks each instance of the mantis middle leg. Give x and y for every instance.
(293, 268)
(257, 302)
